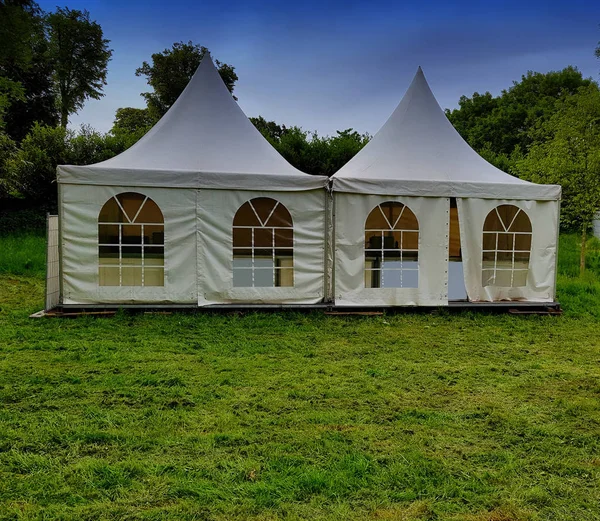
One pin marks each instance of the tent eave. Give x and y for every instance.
(106, 176)
(438, 188)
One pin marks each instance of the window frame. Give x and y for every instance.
(506, 234)
(380, 271)
(141, 245)
(277, 269)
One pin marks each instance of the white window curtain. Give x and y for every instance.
(541, 276)
(432, 213)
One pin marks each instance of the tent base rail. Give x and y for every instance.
(109, 310)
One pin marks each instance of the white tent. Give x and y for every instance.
(202, 210)
(418, 196)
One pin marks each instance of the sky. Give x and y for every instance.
(328, 66)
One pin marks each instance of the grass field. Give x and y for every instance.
(436, 416)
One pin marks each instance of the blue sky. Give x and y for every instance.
(333, 65)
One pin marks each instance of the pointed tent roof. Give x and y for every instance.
(419, 152)
(204, 140)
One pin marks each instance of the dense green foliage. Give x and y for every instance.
(567, 152)
(288, 416)
(500, 127)
(30, 170)
(310, 152)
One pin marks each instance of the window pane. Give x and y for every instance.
(504, 258)
(238, 253)
(391, 255)
(108, 252)
(284, 277)
(263, 263)
(245, 262)
(408, 221)
(242, 237)
(487, 278)
(391, 279)
(154, 234)
(520, 278)
(263, 253)
(503, 278)
(505, 241)
(263, 278)
(131, 203)
(489, 241)
(131, 234)
(410, 278)
(263, 237)
(521, 223)
(489, 256)
(263, 207)
(523, 242)
(410, 255)
(373, 240)
(410, 240)
(111, 213)
(284, 238)
(131, 276)
(492, 222)
(374, 277)
(154, 252)
(150, 213)
(108, 276)
(281, 217)
(377, 220)
(242, 278)
(154, 277)
(245, 216)
(108, 234)
(131, 253)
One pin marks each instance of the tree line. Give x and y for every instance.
(544, 127)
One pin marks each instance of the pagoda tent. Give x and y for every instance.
(202, 210)
(417, 202)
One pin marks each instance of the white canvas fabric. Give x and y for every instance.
(79, 208)
(216, 210)
(351, 212)
(541, 279)
(203, 141)
(418, 152)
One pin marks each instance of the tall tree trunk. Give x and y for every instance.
(582, 255)
(64, 118)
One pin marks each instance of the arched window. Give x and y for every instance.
(391, 247)
(506, 247)
(263, 245)
(131, 238)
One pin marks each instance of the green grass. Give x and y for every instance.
(287, 416)
(23, 254)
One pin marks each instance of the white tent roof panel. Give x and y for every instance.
(418, 152)
(204, 140)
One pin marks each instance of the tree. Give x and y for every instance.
(20, 22)
(32, 169)
(80, 56)
(567, 152)
(24, 68)
(269, 129)
(501, 124)
(170, 72)
(132, 120)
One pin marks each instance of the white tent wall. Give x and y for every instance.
(351, 212)
(541, 278)
(80, 207)
(216, 211)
